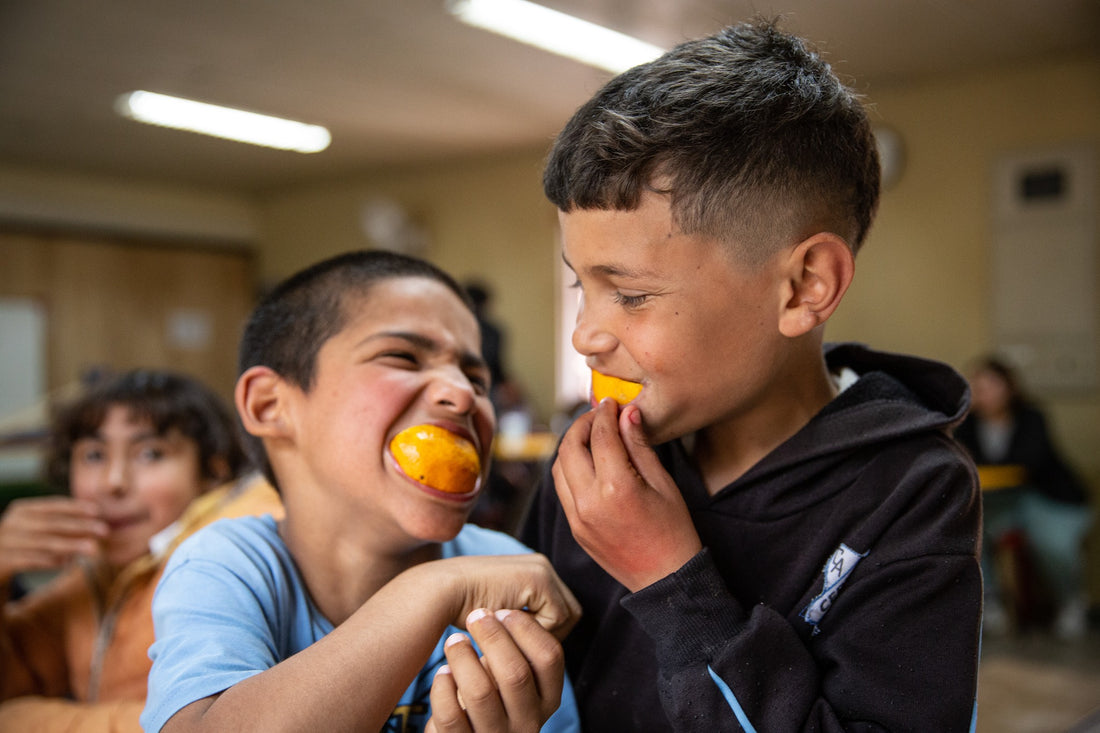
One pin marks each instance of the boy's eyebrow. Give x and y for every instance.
(614, 270)
(467, 359)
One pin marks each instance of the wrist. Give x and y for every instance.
(441, 586)
(671, 562)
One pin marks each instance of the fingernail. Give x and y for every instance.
(445, 669)
(476, 615)
(634, 415)
(503, 614)
(455, 638)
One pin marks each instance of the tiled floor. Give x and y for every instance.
(1038, 684)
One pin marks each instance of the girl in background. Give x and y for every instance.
(1050, 505)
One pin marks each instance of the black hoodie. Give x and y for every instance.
(838, 588)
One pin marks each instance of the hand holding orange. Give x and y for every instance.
(438, 458)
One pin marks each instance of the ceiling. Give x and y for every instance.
(401, 81)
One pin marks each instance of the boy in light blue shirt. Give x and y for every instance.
(343, 615)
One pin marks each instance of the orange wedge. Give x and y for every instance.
(438, 458)
(617, 389)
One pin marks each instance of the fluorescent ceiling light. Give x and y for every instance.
(556, 32)
(224, 122)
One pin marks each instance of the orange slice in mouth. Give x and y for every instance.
(617, 389)
(437, 458)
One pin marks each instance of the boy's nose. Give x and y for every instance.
(116, 477)
(452, 389)
(589, 336)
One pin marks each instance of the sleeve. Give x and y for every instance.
(33, 631)
(896, 651)
(55, 715)
(211, 632)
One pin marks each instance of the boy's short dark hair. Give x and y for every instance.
(169, 401)
(750, 132)
(287, 329)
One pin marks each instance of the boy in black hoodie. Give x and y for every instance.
(774, 535)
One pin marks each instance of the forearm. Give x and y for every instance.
(349, 680)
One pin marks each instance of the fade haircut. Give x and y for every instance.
(287, 329)
(749, 131)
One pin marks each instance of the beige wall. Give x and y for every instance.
(484, 218)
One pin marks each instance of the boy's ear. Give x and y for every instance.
(819, 271)
(260, 397)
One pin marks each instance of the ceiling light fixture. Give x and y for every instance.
(556, 32)
(223, 122)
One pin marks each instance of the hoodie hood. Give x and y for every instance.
(896, 398)
(930, 386)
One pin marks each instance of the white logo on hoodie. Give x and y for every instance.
(837, 569)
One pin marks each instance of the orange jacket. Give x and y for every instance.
(74, 654)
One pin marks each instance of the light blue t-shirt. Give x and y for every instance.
(232, 604)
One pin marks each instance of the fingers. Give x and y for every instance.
(448, 716)
(574, 462)
(517, 683)
(560, 610)
(44, 533)
(60, 515)
(639, 452)
(600, 449)
(573, 470)
(534, 678)
(592, 466)
(526, 581)
(606, 444)
(475, 691)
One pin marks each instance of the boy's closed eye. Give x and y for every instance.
(627, 299)
(401, 358)
(477, 375)
(480, 381)
(630, 301)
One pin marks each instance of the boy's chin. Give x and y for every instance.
(657, 432)
(437, 527)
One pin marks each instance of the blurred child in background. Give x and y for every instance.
(134, 452)
(1050, 504)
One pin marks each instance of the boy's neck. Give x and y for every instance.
(341, 574)
(725, 451)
